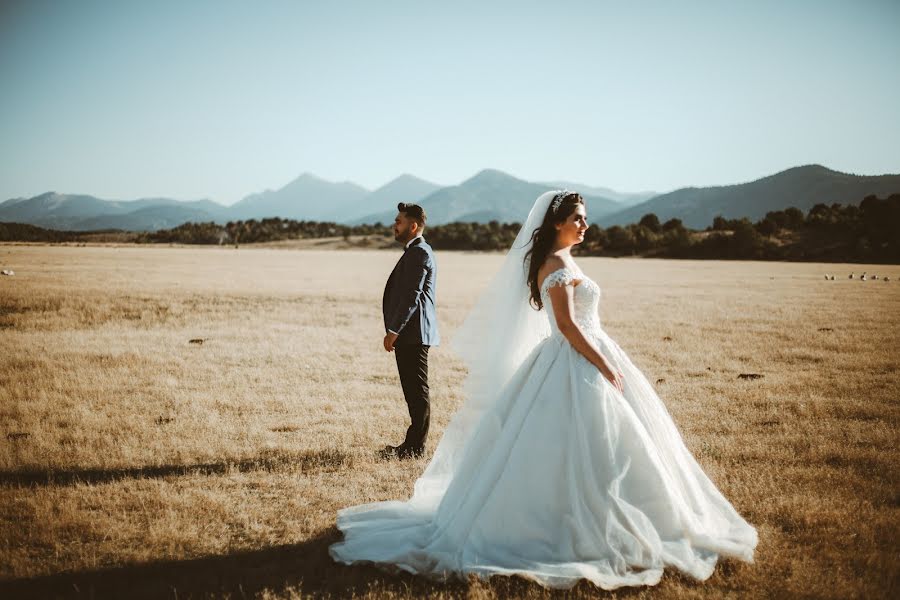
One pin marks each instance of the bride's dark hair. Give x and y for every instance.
(543, 238)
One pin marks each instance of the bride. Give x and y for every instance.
(563, 463)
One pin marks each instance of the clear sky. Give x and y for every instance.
(220, 99)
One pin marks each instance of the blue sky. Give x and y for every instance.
(191, 99)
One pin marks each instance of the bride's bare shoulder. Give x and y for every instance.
(552, 263)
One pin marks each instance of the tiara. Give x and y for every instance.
(558, 198)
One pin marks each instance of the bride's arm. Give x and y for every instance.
(563, 299)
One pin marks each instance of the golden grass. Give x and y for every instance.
(134, 463)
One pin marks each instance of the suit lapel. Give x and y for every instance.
(416, 241)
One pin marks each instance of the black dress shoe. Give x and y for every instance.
(410, 452)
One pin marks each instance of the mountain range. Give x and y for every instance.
(488, 195)
(801, 187)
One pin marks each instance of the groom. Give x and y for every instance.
(410, 323)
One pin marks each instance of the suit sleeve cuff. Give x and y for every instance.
(392, 331)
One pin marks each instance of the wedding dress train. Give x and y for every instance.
(563, 477)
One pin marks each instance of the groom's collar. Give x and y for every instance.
(413, 242)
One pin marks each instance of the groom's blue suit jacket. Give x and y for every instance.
(408, 304)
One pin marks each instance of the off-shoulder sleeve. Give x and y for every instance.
(560, 277)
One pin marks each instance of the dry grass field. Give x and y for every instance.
(136, 464)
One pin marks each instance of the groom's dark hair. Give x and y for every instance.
(414, 212)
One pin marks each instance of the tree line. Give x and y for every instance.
(869, 232)
(452, 236)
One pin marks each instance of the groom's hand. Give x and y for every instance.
(389, 340)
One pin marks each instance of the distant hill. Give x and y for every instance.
(623, 198)
(489, 195)
(305, 198)
(79, 212)
(406, 188)
(313, 199)
(150, 218)
(801, 187)
(51, 207)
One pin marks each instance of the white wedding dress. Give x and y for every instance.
(561, 477)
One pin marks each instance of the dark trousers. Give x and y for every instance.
(412, 364)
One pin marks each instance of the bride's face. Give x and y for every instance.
(571, 231)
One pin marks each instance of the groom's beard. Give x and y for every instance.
(403, 236)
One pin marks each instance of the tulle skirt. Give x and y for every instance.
(562, 478)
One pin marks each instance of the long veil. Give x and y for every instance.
(631, 500)
(498, 334)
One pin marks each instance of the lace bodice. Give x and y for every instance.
(587, 297)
